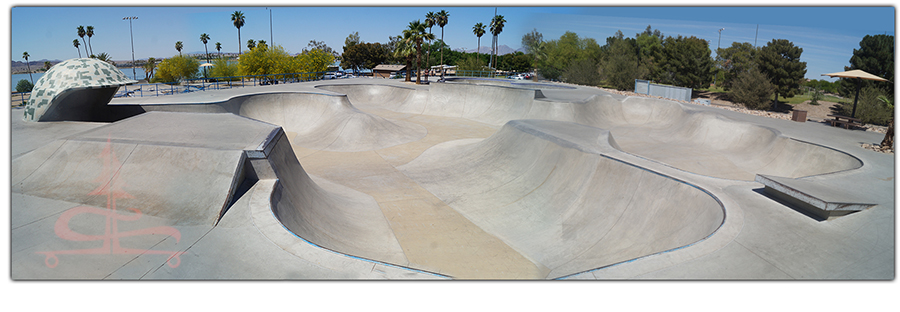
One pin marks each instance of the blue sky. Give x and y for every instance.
(46, 32)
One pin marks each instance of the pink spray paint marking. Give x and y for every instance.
(112, 187)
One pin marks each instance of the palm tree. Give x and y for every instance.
(26, 56)
(77, 45)
(238, 19)
(178, 46)
(47, 65)
(442, 18)
(149, 67)
(478, 30)
(416, 34)
(261, 43)
(496, 29)
(888, 140)
(81, 34)
(205, 38)
(406, 50)
(251, 44)
(90, 33)
(219, 48)
(430, 21)
(106, 58)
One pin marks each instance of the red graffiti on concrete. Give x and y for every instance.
(112, 188)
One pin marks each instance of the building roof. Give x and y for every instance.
(389, 67)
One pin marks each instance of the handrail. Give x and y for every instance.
(217, 83)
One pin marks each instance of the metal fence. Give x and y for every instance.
(218, 83)
(669, 92)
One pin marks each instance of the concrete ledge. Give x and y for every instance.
(820, 200)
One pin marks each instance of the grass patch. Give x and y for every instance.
(806, 97)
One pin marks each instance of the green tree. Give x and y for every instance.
(869, 108)
(28, 64)
(205, 38)
(875, 56)
(24, 86)
(406, 50)
(497, 24)
(251, 44)
(621, 66)
(176, 69)
(888, 140)
(47, 65)
(687, 62)
(735, 60)
(556, 55)
(582, 71)
(178, 46)
(364, 55)
(223, 68)
(516, 62)
(219, 48)
(650, 53)
(90, 33)
(532, 43)
(237, 18)
(81, 34)
(265, 60)
(314, 61)
(415, 33)
(320, 45)
(780, 61)
(752, 89)
(352, 39)
(105, 58)
(77, 44)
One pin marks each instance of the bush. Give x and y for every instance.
(753, 90)
(176, 69)
(869, 109)
(265, 60)
(583, 71)
(24, 86)
(471, 63)
(223, 68)
(816, 96)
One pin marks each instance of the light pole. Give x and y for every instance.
(716, 77)
(129, 18)
(271, 39)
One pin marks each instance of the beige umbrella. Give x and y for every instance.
(206, 65)
(859, 75)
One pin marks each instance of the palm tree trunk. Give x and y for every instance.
(889, 136)
(408, 68)
(418, 63)
(29, 71)
(239, 41)
(442, 52)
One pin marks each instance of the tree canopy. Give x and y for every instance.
(687, 62)
(739, 58)
(875, 56)
(780, 61)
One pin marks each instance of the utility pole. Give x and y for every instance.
(757, 35)
(270, 28)
(129, 18)
(716, 77)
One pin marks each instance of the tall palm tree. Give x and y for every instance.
(496, 28)
(219, 48)
(178, 46)
(205, 38)
(251, 44)
(442, 18)
(406, 50)
(90, 33)
(26, 56)
(478, 30)
(238, 19)
(77, 45)
(416, 34)
(430, 21)
(81, 34)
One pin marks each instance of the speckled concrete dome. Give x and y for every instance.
(73, 86)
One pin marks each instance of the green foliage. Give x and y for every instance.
(557, 54)
(687, 62)
(816, 96)
(176, 69)
(314, 60)
(735, 60)
(582, 71)
(621, 66)
(364, 55)
(780, 61)
(869, 108)
(753, 90)
(24, 86)
(223, 68)
(875, 56)
(471, 63)
(263, 60)
(649, 46)
(516, 62)
(824, 85)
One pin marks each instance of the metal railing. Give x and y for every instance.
(216, 83)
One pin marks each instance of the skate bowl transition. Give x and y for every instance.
(550, 183)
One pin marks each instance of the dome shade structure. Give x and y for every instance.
(75, 90)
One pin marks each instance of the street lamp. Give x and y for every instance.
(129, 18)
(716, 77)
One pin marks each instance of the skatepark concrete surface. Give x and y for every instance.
(467, 179)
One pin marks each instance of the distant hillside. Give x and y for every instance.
(20, 67)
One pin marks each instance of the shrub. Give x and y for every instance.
(314, 61)
(471, 63)
(223, 68)
(753, 90)
(583, 71)
(24, 86)
(869, 108)
(816, 96)
(176, 69)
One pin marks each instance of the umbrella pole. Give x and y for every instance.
(858, 84)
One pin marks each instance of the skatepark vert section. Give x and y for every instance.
(548, 183)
